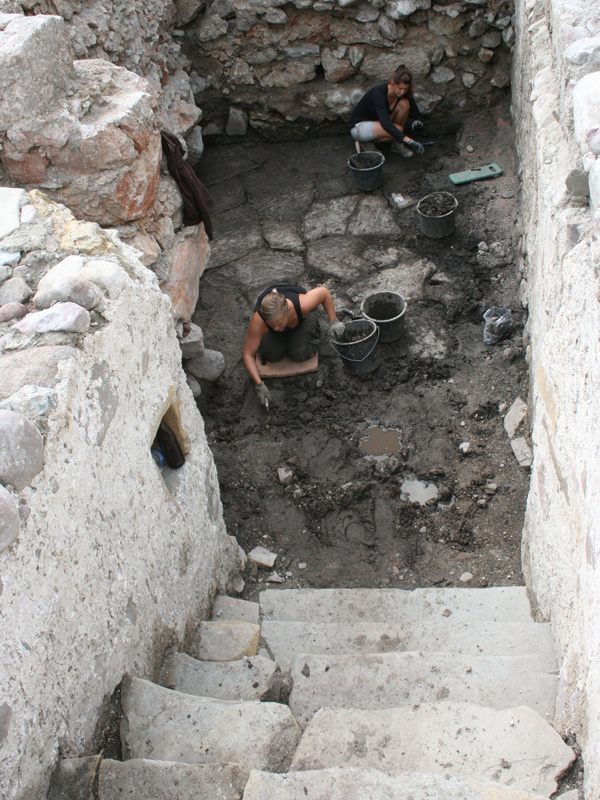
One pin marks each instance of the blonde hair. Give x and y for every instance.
(273, 306)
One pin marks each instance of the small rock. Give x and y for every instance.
(469, 148)
(14, 290)
(490, 488)
(285, 475)
(70, 288)
(208, 367)
(9, 259)
(193, 384)
(298, 494)
(67, 317)
(466, 577)
(274, 577)
(262, 557)
(192, 345)
(9, 519)
(522, 452)
(33, 402)
(482, 502)
(21, 450)
(302, 565)
(465, 448)
(11, 311)
(514, 417)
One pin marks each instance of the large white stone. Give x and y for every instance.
(245, 679)
(67, 317)
(512, 746)
(10, 203)
(586, 112)
(9, 519)
(165, 725)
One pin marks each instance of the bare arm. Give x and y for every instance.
(256, 330)
(317, 297)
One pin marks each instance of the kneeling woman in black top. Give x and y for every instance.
(383, 115)
(283, 324)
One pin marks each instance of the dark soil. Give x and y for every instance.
(437, 204)
(363, 161)
(344, 519)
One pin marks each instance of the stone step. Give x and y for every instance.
(227, 640)
(389, 680)
(513, 746)
(360, 784)
(494, 604)
(234, 609)
(168, 780)
(288, 640)
(164, 725)
(249, 678)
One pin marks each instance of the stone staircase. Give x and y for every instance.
(356, 694)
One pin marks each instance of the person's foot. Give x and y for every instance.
(401, 150)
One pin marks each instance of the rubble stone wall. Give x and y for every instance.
(272, 64)
(556, 99)
(104, 558)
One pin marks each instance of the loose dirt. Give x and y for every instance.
(343, 519)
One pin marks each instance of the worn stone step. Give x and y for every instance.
(227, 640)
(165, 725)
(249, 678)
(389, 680)
(494, 604)
(360, 784)
(513, 746)
(288, 640)
(234, 609)
(168, 780)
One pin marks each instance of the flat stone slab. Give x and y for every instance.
(394, 679)
(10, 204)
(373, 217)
(166, 780)
(337, 256)
(359, 784)
(328, 217)
(498, 604)
(164, 725)
(289, 640)
(224, 641)
(232, 608)
(246, 679)
(513, 746)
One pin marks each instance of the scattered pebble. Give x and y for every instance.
(482, 502)
(465, 447)
(466, 577)
(490, 488)
(285, 475)
(469, 148)
(302, 565)
(262, 557)
(274, 578)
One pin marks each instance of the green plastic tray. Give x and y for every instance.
(478, 174)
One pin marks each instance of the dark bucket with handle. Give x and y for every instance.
(386, 310)
(358, 347)
(367, 169)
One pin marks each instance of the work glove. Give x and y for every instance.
(416, 147)
(336, 329)
(416, 125)
(262, 393)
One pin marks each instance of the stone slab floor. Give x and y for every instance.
(291, 212)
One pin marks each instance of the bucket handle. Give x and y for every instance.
(356, 360)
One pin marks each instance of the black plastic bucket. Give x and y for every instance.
(367, 169)
(386, 310)
(359, 356)
(436, 227)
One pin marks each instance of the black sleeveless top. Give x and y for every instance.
(290, 293)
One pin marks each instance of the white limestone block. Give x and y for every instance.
(10, 200)
(32, 402)
(14, 290)
(584, 51)
(262, 557)
(229, 640)
(67, 317)
(514, 417)
(522, 451)
(71, 289)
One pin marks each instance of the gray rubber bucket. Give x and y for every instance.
(436, 227)
(358, 347)
(367, 169)
(386, 310)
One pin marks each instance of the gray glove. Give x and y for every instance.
(416, 125)
(416, 147)
(262, 393)
(336, 329)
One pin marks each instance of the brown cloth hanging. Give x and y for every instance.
(197, 201)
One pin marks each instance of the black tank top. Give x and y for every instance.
(290, 293)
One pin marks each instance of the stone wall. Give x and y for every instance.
(104, 558)
(274, 65)
(556, 98)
